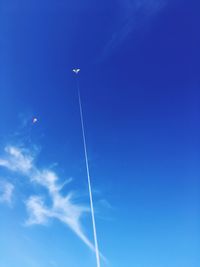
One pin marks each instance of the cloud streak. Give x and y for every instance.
(17, 160)
(6, 192)
(133, 14)
(61, 208)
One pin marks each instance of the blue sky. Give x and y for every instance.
(139, 83)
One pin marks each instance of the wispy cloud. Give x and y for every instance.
(17, 160)
(61, 208)
(6, 192)
(133, 14)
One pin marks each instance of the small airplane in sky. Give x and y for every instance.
(76, 70)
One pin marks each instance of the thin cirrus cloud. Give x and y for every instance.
(62, 208)
(133, 14)
(6, 192)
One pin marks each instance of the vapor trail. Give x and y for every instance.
(89, 183)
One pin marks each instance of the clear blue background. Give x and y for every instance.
(140, 86)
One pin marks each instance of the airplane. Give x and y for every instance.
(76, 71)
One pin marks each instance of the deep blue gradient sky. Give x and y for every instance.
(139, 81)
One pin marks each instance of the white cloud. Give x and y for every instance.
(61, 208)
(38, 214)
(6, 192)
(17, 160)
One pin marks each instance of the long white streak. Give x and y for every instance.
(89, 183)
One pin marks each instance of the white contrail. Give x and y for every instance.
(89, 183)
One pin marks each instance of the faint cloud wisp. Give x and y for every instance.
(133, 14)
(6, 192)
